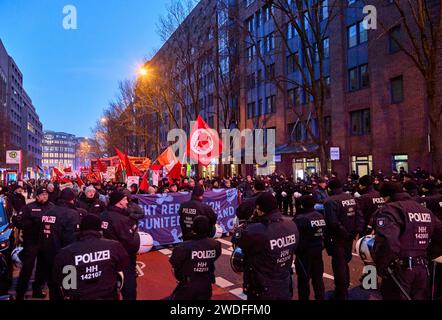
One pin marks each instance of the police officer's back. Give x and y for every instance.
(193, 263)
(369, 201)
(268, 245)
(15, 201)
(344, 222)
(432, 198)
(404, 230)
(189, 210)
(117, 225)
(97, 262)
(309, 265)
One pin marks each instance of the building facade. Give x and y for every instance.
(58, 150)
(20, 126)
(375, 104)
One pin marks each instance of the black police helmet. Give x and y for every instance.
(266, 202)
(366, 181)
(389, 189)
(307, 202)
(201, 225)
(334, 184)
(259, 185)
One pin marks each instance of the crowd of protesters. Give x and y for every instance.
(100, 198)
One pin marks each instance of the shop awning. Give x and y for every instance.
(296, 148)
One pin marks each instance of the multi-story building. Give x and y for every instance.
(58, 149)
(20, 127)
(375, 104)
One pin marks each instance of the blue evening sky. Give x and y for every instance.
(71, 75)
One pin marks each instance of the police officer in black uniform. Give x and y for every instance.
(432, 199)
(309, 264)
(246, 209)
(190, 209)
(117, 225)
(404, 230)
(15, 201)
(29, 220)
(344, 222)
(268, 245)
(98, 262)
(368, 202)
(193, 263)
(288, 189)
(58, 227)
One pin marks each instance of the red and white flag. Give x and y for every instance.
(204, 144)
(168, 159)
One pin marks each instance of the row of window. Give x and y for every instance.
(58, 155)
(257, 109)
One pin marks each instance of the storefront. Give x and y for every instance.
(305, 167)
(362, 165)
(400, 160)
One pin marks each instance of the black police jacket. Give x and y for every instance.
(189, 210)
(117, 225)
(29, 220)
(344, 220)
(97, 262)
(195, 259)
(311, 226)
(58, 227)
(268, 245)
(92, 206)
(404, 229)
(368, 203)
(433, 202)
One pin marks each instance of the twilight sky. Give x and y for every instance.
(71, 75)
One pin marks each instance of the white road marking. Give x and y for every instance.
(326, 275)
(238, 293)
(224, 242)
(223, 283)
(166, 252)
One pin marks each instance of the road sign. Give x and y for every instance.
(13, 156)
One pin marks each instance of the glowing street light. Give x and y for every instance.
(142, 71)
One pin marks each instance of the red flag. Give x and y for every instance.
(121, 155)
(144, 186)
(68, 170)
(58, 173)
(204, 144)
(168, 159)
(79, 181)
(102, 167)
(175, 173)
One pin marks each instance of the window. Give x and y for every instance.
(260, 109)
(250, 24)
(358, 78)
(357, 34)
(397, 90)
(324, 10)
(269, 43)
(260, 78)
(353, 79)
(271, 104)
(365, 78)
(394, 39)
(327, 86)
(360, 122)
(291, 31)
(251, 81)
(211, 122)
(251, 51)
(270, 71)
(352, 36)
(326, 45)
(292, 63)
(293, 98)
